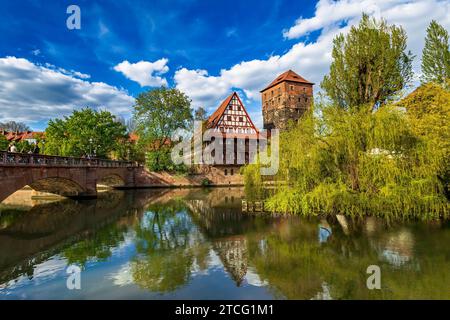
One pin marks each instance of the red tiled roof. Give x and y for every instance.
(20, 136)
(133, 137)
(287, 76)
(214, 118)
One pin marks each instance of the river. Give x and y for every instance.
(198, 244)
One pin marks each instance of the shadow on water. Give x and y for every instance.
(197, 243)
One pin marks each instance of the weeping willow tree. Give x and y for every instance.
(358, 152)
(253, 182)
(359, 163)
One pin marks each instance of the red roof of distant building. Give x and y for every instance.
(20, 136)
(287, 76)
(133, 137)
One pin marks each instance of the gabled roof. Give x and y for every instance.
(215, 117)
(287, 76)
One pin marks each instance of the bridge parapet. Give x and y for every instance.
(25, 159)
(66, 176)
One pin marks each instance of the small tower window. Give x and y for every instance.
(226, 172)
(231, 172)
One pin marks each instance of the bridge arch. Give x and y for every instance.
(71, 182)
(59, 186)
(111, 180)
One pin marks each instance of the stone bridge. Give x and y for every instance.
(65, 176)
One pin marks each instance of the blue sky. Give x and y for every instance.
(205, 48)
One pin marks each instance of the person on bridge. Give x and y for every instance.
(13, 148)
(36, 149)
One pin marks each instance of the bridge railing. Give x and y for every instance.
(24, 159)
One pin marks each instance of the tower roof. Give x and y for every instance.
(287, 76)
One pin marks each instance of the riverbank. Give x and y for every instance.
(212, 176)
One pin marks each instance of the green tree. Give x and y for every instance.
(353, 157)
(165, 243)
(436, 55)
(387, 163)
(128, 150)
(85, 131)
(4, 143)
(428, 111)
(369, 66)
(24, 146)
(200, 114)
(158, 114)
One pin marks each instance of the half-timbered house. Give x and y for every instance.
(237, 136)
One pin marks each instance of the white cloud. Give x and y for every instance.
(311, 59)
(72, 73)
(144, 72)
(32, 93)
(333, 12)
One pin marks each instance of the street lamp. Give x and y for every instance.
(90, 147)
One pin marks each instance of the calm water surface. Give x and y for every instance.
(197, 244)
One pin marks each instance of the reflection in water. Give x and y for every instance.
(198, 244)
(324, 231)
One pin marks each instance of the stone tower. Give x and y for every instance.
(285, 98)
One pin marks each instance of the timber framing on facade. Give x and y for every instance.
(234, 135)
